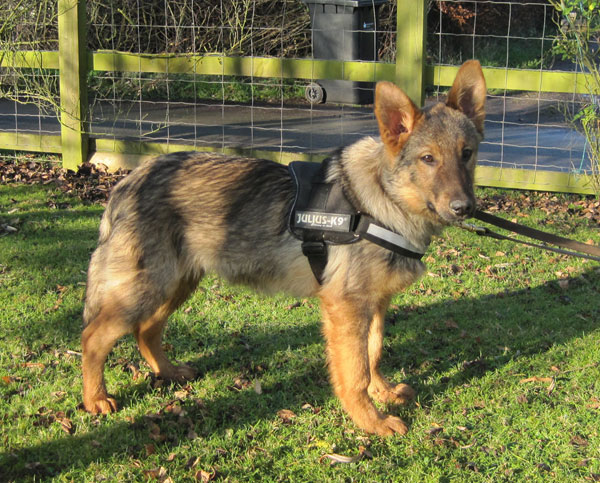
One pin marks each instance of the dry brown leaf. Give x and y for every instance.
(192, 462)
(435, 430)
(286, 415)
(594, 404)
(535, 379)
(182, 394)
(33, 365)
(67, 425)
(338, 458)
(579, 441)
(204, 476)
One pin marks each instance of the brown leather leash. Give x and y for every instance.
(568, 247)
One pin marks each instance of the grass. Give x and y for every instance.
(192, 88)
(501, 343)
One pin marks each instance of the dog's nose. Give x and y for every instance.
(461, 207)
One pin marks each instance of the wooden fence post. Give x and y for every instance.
(72, 51)
(410, 48)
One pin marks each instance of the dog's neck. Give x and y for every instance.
(359, 168)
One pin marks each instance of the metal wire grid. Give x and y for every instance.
(28, 98)
(524, 130)
(219, 111)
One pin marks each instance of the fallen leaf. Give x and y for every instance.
(67, 425)
(451, 324)
(181, 394)
(522, 399)
(551, 387)
(33, 365)
(579, 441)
(594, 404)
(204, 476)
(286, 415)
(192, 462)
(435, 430)
(338, 458)
(535, 379)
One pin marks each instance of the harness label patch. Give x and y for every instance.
(316, 220)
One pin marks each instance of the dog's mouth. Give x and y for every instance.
(452, 215)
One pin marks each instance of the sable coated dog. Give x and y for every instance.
(184, 214)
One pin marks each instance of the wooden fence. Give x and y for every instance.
(410, 71)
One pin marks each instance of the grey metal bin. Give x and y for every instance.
(343, 30)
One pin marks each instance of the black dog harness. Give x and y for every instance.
(322, 215)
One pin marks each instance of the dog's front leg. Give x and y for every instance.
(379, 388)
(346, 323)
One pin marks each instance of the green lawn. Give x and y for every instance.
(501, 342)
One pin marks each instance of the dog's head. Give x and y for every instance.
(431, 153)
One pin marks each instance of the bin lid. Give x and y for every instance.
(347, 3)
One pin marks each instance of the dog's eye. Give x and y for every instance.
(428, 159)
(466, 154)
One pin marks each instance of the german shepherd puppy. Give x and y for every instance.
(185, 214)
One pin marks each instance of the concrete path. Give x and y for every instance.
(521, 132)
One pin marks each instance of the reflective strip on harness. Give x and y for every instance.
(391, 237)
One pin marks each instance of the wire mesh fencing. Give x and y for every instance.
(525, 129)
(29, 98)
(146, 103)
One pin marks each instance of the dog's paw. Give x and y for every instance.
(101, 405)
(179, 374)
(389, 425)
(388, 394)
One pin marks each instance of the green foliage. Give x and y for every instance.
(578, 41)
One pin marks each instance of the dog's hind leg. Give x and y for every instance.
(379, 388)
(148, 334)
(346, 328)
(97, 340)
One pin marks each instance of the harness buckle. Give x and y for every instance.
(313, 248)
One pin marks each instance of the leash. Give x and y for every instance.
(568, 247)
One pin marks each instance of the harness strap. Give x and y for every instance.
(321, 215)
(369, 229)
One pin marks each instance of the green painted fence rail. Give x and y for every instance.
(73, 62)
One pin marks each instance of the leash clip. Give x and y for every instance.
(479, 230)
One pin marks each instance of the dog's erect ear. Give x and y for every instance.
(396, 115)
(468, 93)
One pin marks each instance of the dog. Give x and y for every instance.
(182, 215)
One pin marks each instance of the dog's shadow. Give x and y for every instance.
(477, 335)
